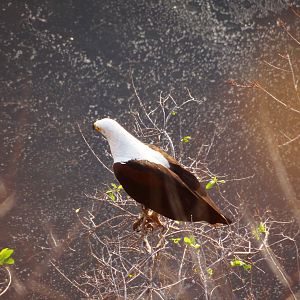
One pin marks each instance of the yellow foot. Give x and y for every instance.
(148, 221)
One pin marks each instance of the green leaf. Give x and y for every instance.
(114, 185)
(191, 241)
(236, 263)
(176, 240)
(186, 139)
(10, 261)
(5, 253)
(240, 263)
(212, 182)
(111, 195)
(210, 271)
(247, 267)
(130, 275)
(262, 228)
(188, 240)
(210, 185)
(256, 234)
(174, 113)
(5, 256)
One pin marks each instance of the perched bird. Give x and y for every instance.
(155, 179)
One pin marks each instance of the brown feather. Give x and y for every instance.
(163, 191)
(189, 179)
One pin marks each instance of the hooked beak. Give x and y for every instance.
(95, 127)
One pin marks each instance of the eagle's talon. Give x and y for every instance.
(148, 221)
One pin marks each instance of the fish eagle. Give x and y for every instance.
(156, 180)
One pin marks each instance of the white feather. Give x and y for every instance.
(124, 146)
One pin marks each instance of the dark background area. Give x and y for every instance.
(67, 63)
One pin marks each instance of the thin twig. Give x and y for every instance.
(70, 281)
(273, 66)
(9, 282)
(258, 85)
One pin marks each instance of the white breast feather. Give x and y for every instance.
(125, 147)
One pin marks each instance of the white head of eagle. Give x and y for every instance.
(155, 179)
(124, 146)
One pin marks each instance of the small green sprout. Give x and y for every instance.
(176, 240)
(174, 113)
(191, 241)
(5, 257)
(213, 182)
(112, 192)
(131, 275)
(186, 139)
(247, 267)
(210, 271)
(240, 263)
(261, 228)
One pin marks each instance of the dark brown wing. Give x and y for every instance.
(161, 190)
(189, 179)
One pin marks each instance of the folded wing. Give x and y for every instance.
(164, 191)
(190, 180)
